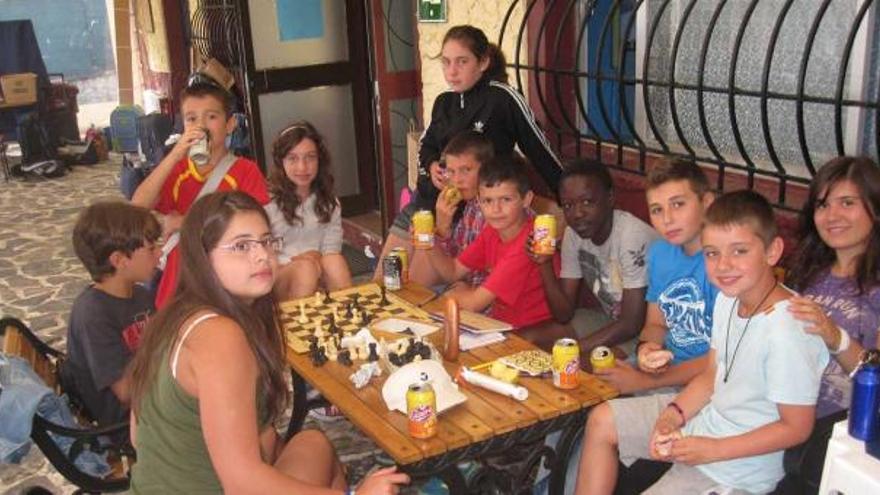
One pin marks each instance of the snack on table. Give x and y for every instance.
(534, 362)
(503, 372)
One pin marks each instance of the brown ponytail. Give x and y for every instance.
(475, 39)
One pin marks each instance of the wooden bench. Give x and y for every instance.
(20, 341)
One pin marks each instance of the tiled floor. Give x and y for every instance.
(40, 276)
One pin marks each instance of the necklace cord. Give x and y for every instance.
(728, 364)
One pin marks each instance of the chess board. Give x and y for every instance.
(369, 299)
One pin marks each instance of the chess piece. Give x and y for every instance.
(319, 357)
(374, 356)
(344, 357)
(318, 298)
(302, 313)
(319, 329)
(365, 318)
(349, 309)
(336, 313)
(356, 319)
(384, 300)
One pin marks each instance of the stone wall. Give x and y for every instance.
(487, 15)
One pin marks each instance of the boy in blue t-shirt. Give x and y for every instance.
(727, 429)
(678, 323)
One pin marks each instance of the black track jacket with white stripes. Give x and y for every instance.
(501, 114)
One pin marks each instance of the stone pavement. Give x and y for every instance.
(40, 276)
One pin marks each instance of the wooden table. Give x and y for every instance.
(486, 425)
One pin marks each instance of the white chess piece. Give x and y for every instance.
(302, 313)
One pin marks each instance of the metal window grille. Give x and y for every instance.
(765, 89)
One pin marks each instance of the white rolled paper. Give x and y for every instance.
(510, 390)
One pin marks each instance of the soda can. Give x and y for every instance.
(423, 229)
(199, 151)
(421, 409)
(544, 237)
(566, 363)
(601, 358)
(401, 253)
(864, 422)
(391, 269)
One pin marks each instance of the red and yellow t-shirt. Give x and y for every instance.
(180, 191)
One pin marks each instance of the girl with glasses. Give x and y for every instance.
(208, 379)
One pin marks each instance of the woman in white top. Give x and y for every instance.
(304, 212)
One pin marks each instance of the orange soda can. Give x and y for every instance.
(423, 229)
(566, 363)
(401, 253)
(601, 358)
(544, 237)
(421, 409)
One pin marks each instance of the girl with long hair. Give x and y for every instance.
(836, 268)
(305, 213)
(208, 379)
(478, 99)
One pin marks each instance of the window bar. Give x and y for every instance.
(701, 70)
(578, 93)
(802, 76)
(731, 81)
(622, 82)
(765, 83)
(672, 103)
(649, 114)
(841, 76)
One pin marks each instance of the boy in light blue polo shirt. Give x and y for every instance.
(727, 429)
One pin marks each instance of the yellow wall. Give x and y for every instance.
(484, 14)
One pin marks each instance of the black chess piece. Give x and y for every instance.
(395, 359)
(349, 311)
(365, 318)
(344, 357)
(374, 356)
(319, 357)
(425, 352)
(384, 300)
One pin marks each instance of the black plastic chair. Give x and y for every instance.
(19, 340)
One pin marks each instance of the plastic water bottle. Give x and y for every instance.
(864, 412)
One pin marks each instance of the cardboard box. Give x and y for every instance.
(19, 89)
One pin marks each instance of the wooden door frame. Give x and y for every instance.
(391, 86)
(260, 82)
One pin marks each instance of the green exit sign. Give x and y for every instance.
(432, 10)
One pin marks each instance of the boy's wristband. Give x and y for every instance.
(843, 344)
(680, 412)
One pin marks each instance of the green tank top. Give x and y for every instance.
(171, 453)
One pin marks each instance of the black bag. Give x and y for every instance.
(153, 130)
(34, 139)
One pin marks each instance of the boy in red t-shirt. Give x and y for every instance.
(513, 287)
(173, 186)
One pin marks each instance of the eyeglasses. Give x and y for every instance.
(246, 246)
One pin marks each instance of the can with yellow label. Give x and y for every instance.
(544, 237)
(401, 253)
(566, 363)
(601, 358)
(423, 229)
(421, 409)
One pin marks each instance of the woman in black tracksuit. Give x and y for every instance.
(479, 99)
